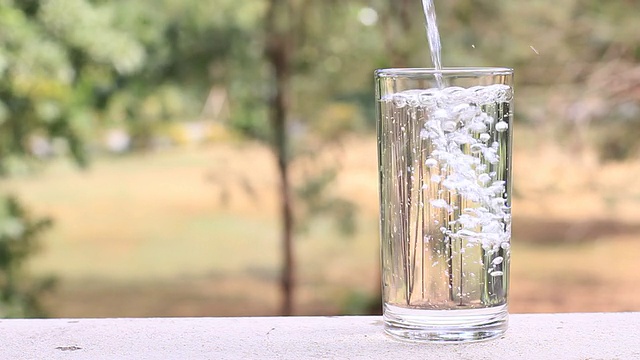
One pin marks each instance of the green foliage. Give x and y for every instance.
(362, 303)
(56, 59)
(317, 200)
(19, 232)
(617, 140)
(89, 29)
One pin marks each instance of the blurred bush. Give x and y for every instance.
(20, 295)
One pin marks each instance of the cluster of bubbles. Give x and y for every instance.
(451, 96)
(462, 147)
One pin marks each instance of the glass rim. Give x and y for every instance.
(446, 71)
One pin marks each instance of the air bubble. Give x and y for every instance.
(490, 155)
(496, 273)
(502, 126)
(440, 114)
(399, 101)
(428, 97)
(487, 119)
(484, 178)
(460, 108)
(462, 150)
(449, 126)
(451, 185)
(476, 148)
(439, 203)
(478, 127)
(508, 95)
(431, 162)
(498, 260)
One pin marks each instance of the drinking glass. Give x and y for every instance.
(444, 160)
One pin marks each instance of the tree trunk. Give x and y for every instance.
(278, 53)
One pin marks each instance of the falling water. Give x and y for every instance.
(433, 36)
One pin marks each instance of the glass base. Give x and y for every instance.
(445, 325)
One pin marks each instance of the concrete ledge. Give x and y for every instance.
(539, 336)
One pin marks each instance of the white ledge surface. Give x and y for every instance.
(535, 336)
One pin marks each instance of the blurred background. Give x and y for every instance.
(218, 158)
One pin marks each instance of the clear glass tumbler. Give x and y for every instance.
(444, 159)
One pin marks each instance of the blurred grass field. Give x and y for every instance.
(195, 232)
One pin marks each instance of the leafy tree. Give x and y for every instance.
(314, 70)
(55, 58)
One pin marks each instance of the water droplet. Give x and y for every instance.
(496, 273)
(498, 260)
(484, 137)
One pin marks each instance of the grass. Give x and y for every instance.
(195, 232)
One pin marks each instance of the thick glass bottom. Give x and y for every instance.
(453, 326)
